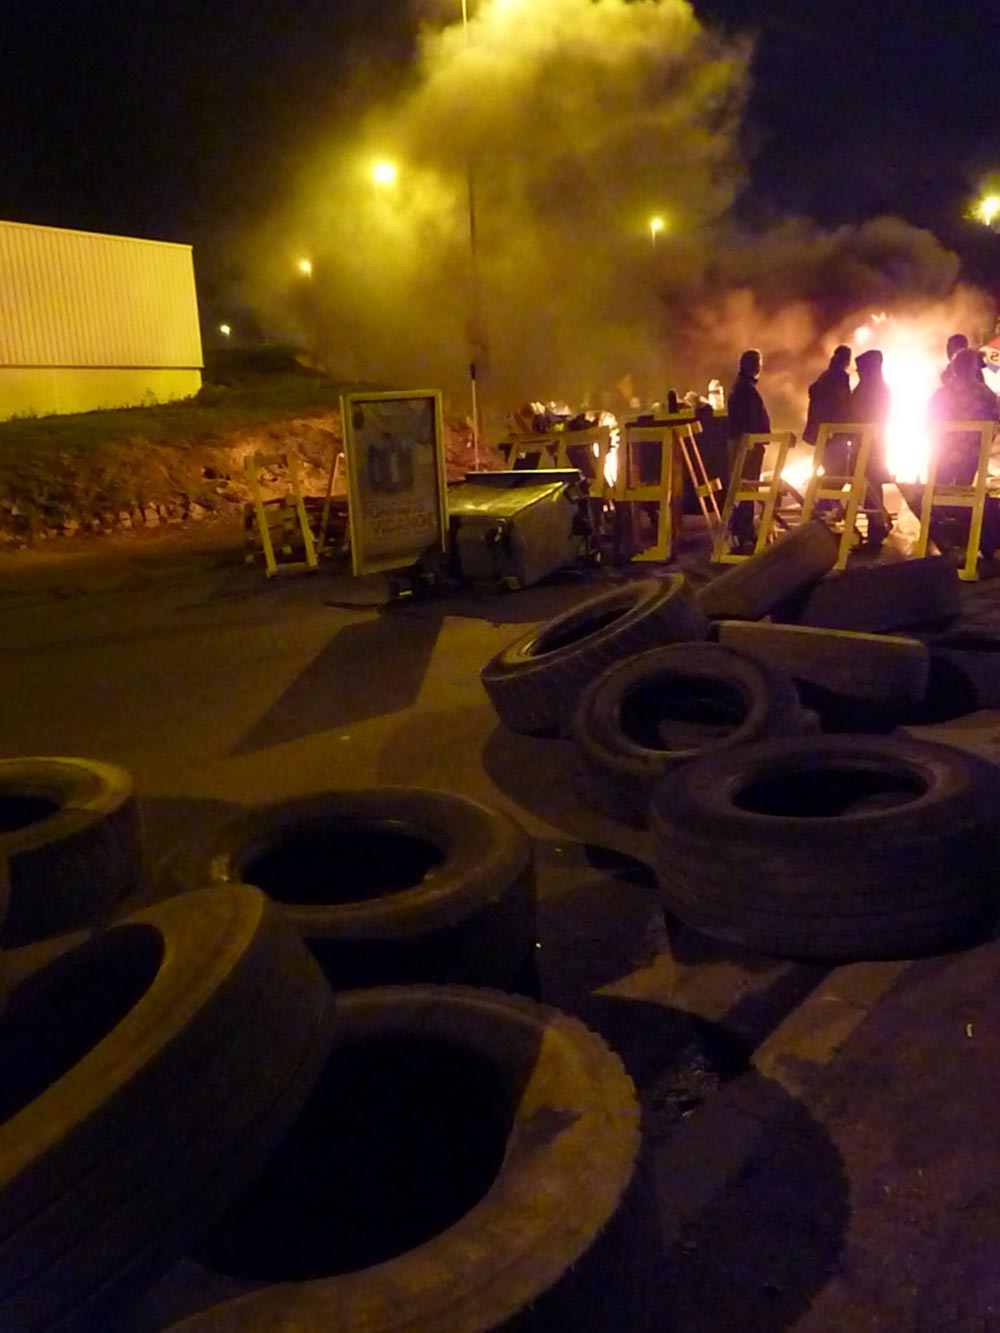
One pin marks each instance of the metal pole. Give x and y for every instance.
(474, 279)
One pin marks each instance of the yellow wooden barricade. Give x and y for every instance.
(564, 449)
(954, 495)
(753, 490)
(288, 504)
(831, 486)
(666, 490)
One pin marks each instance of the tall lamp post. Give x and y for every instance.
(475, 317)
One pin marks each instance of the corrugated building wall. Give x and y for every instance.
(90, 321)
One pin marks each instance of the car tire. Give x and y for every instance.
(834, 848)
(877, 668)
(71, 830)
(643, 717)
(754, 588)
(150, 1072)
(534, 683)
(882, 598)
(976, 657)
(391, 885)
(560, 1236)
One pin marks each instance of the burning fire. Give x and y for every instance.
(912, 368)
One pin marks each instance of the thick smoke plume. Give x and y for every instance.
(577, 121)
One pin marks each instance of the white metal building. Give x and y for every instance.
(90, 321)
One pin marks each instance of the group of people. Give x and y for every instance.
(963, 395)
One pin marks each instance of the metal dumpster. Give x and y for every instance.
(511, 529)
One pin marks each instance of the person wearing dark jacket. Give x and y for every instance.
(829, 396)
(870, 403)
(747, 416)
(958, 342)
(963, 396)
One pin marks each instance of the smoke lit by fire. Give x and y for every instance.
(579, 122)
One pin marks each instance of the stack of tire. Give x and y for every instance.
(195, 1079)
(687, 715)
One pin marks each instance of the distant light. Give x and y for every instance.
(988, 209)
(305, 266)
(384, 173)
(225, 330)
(656, 225)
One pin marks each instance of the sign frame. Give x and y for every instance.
(370, 473)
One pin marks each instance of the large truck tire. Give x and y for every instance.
(390, 885)
(833, 848)
(879, 668)
(4, 902)
(976, 659)
(642, 718)
(534, 683)
(71, 831)
(147, 1075)
(556, 1231)
(753, 588)
(882, 598)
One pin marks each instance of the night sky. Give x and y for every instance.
(188, 120)
(165, 118)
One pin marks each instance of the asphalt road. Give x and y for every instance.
(217, 688)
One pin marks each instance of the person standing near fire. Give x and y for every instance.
(963, 396)
(958, 342)
(830, 397)
(747, 416)
(870, 403)
(830, 403)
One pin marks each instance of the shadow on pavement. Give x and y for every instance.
(750, 1246)
(367, 670)
(539, 774)
(175, 827)
(598, 919)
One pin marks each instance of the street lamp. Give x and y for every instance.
(656, 225)
(476, 334)
(225, 330)
(988, 209)
(384, 173)
(305, 267)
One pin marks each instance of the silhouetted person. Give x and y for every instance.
(870, 402)
(747, 416)
(958, 342)
(829, 396)
(963, 397)
(830, 402)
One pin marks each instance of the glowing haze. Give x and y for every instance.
(580, 121)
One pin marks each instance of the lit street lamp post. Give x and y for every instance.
(655, 227)
(475, 316)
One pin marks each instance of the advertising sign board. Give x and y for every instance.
(395, 478)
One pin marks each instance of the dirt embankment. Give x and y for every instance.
(132, 483)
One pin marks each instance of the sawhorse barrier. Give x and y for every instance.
(972, 495)
(864, 439)
(753, 490)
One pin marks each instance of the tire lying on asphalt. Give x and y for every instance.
(976, 657)
(753, 588)
(4, 902)
(71, 830)
(391, 885)
(834, 848)
(642, 718)
(534, 683)
(880, 668)
(147, 1075)
(905, 594)
(467, 1163)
